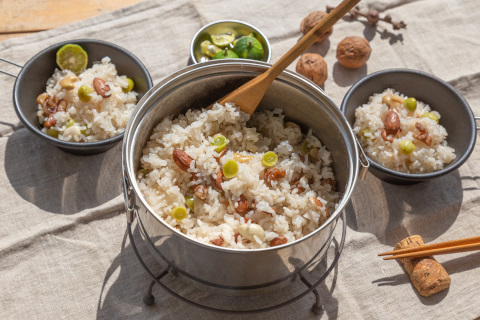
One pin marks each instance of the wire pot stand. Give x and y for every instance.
(317, 308)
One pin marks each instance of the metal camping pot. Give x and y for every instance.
(223, 270)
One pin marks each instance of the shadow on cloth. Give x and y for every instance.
(59, 182)
(394, 212)
(320, 48)
(345, 77)
(126, 282)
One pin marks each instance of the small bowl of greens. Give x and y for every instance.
(229, 39)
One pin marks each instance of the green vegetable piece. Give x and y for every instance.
(220, 142)
(190, 202)
(406, 147)
(269, 159)
(431, 116)
(142, 173)
(209, 49)
(130, 86)
(85, 132)
(72, 57)
(52, 133)
(306, 147)
(84, 93)
(179, 213)
(364, 132)
(230, 169)
(249, 48)
(410, 104)
(70, 122)
(222, 40)
(225, 54)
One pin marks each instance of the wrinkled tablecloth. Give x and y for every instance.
(64, 250)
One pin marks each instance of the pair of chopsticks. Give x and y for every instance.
(454, 246)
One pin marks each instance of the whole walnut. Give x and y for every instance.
(311, 21)
(313, 66)
(353, 52)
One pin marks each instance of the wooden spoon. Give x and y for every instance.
(248, 96)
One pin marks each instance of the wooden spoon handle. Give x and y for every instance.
(306, 41)
(248, 96)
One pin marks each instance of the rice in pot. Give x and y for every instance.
(249, 210)
(98, 119)
(419, 146)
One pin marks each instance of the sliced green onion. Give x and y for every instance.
(430, 115)
(179, 213)
(129, 87)
(230, 169)
(269, 159)
(306, 148)
(220, 142)
(190, 202)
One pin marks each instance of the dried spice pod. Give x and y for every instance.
(427, 274)
(314, 67)
(353, 52)
(311, 21)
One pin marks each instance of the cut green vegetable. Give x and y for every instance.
(306, 147)
(430, 115)
(269, 159)
(222, 40)
(219, 142)
(190, 202)
(406, 147)
(230, 169)
(52, 133)
(129, 87)
(72, 57)
(209, 49)
(142, 173)
(179, 213)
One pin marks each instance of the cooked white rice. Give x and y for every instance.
(98, 119)
(369, 122)
(280, 211)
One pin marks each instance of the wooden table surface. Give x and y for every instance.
(22, 17)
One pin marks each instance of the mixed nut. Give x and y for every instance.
(352, 52)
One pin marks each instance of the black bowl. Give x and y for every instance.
(32, 79)
(457, 117)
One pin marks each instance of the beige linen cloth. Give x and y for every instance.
(64, 251)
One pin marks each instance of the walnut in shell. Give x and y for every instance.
(314, 67)
(311, 21)
(353, 52)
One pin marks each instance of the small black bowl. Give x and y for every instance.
(32, 79)
(457, 117)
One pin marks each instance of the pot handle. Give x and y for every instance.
(363, 161)
(129, 198)
(477, 119)
(10, 62)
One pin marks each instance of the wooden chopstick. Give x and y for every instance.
(434, 246)
(454, 246)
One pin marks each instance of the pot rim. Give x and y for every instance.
(127, 160)
(58, 142)
(419, 176)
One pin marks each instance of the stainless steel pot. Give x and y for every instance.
(223, 270)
